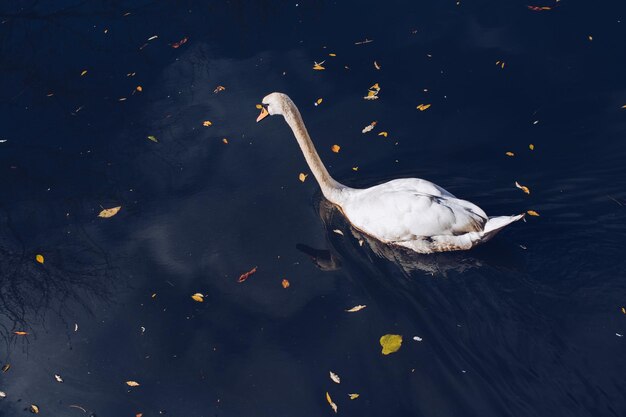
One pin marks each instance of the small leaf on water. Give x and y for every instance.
(139, 88)
(318, 101)
(335, 148)
(106, 213)
(58, 378)
(302, 176)
(258, 106)
(181, 42)
(39, 258)
(331, 54)
(423, 107)
(285, 283)
(339, 232)
(531, 147)
(376, 65)
(335, 377)
(356, 308)
(532, 213)
(522, 187)
(369, 127)
(83, 73)
(623, 312)
(207, 123)
(225, 141)
(219, 89)
(318, 67)
(3, 394)
(132, 383)
(198, 297)
(390, 343)
(355, 168)
(20, 333)
(153, 37)
(510, 154)
(383, 134)
(330, 401)
(153, 139)
(353, 396)
(246, 275)
(34, 409)
(6, 367)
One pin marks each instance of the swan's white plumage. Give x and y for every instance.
(411, 212)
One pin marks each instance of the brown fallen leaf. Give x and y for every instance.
(330, 401)
(356, 308)
(207, 123)
(20, 333)
(6, 368)
(335, 148)
(302, 176)
(285, 283)
(180, 43)
(34, 409)
(246, 275)
(219, 89)
(132, 383)
(139, 88)
(532, 213)
(522, 187)
(106, 213)
(510, 154)
(225, 141)
(39, 258)
(198, 297)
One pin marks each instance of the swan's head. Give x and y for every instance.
(275, 103)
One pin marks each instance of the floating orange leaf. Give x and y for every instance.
(330, 401)
(335, 148)
(20, 333)
(225, 141)
(180, 43)
(285, 283)
(539, 8)
(423, 107)
(384, 134)
(198, 297)
(318, 67)
(139, 88)
(331, 54)
(207, 123)
(132, 383)
(509, 154)
(522, 187)
(302, 177)
(219, 89)
(532, 213)
(39, 258)
(246, 275)
(106, 213)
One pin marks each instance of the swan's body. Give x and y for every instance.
(411, 212)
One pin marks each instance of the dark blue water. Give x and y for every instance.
(528, 325)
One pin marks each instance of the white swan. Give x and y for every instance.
(409, 212)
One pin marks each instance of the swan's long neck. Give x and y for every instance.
(330, 188)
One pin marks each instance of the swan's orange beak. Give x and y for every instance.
(263, 115)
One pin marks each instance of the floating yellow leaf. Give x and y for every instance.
(376, 65)
(331, 54)
(285, 283)
(372, 93)
(153, 139)
(198, 297)
(302, 176)
(353, 396)
(335, 378)
(132, 383)
(83, 73)
(423, 107)
(335, 148)
(318, 67)
(6, 367)
(20, 333)
(330, 401)
(39, 258)
(318, 101)
(510, 154)
(259, 106)
(139, 88)
(390, 343)
(531, 147)
(106, 213)
(532, 213)
(356, 308)
(355, 168)
(34, 409)
(207, 123)
(522, 187)
(623, 311)
(384, 134)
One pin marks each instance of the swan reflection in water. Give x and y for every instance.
(346, 241)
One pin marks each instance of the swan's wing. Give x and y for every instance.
(415, 185)
(397, 214)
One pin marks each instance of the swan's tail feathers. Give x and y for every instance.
(495, 224)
